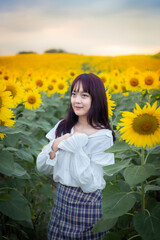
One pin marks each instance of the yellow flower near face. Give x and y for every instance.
(105, 77)
(32, 100)
(114, 87)
(111, 104)
(61, 87)
(141, 128)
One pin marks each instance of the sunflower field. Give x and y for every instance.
(34, 96)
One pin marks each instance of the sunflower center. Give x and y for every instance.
(123, 88)
(72, 74)
(103, 79)
(50, 87)
(2, 123)
(115, 86)
(28, 89)
(54, 80)
(6, 77)
(31, 99)
(60, 86)
(12, 90)
(149, 80)
(39, 83)
(145, 124)
(134, 82)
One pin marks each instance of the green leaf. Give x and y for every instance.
(11, 140)
(17, 208)
(104, 225)
(118, 166)
(136, 173)
(118, 147)
(24, 154)
(147, 226)
(115, 203)
(10, 130)
(112, 236)
(11, 149)
(5, 197)
(152, 188)
(6, 163)
(18, 170)
(47, 190)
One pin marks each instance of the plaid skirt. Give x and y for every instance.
(74, 214)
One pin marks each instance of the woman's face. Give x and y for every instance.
(81, 101)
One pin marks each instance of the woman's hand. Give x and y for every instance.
(58, 140)
(52, 155)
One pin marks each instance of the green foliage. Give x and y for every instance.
(131, 199)
(132, 190)
(26, 195)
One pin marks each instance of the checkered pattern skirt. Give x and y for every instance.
(74, 214)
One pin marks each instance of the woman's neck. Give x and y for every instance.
(82, 121)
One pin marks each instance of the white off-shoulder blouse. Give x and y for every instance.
(79, 160)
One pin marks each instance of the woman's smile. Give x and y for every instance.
(81, 101)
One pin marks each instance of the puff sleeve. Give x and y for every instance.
(44, 163)
(86, 167)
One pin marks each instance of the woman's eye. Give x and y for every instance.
(73, 94)
(84, 95)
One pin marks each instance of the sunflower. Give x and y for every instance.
(105, 77)
(51, 88)
(150, 80)
(6, 76)
(28, 86)
(5, 98)
(141, 128)
(114, 87)
(40, 83)
(111, 104)
(16, 90)
(6, 119)
(115, 73)
(72, 74)
(32, 100)
(133, 82)
(158, 72)
(133, 71)
(61, 87)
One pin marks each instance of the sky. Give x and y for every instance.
(89, 27)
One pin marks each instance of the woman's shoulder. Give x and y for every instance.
(99, 141)
(103, 132)
(51, 134)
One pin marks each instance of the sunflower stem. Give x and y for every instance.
(142, 185)
(111, 122)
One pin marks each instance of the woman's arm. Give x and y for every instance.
(58, 140)
(55, 143)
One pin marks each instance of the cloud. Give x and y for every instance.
(88, 27)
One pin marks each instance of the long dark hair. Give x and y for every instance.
(98, 113)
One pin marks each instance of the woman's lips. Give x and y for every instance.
(78, 108)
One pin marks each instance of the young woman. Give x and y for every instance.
(75, 156)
